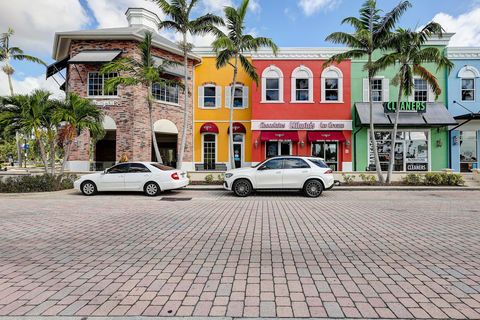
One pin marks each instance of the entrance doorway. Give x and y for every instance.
(328, 150)
(238, 150)
(105, 151)
(166, 133)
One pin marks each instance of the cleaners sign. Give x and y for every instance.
(405, 107)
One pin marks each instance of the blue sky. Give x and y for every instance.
(290, 23)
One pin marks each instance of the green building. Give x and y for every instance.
(422, 142)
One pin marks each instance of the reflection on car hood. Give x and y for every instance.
(239, 170)
(90, 176)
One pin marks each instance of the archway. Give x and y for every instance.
(105, 154)
(166, 133)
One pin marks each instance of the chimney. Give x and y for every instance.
(138, 17)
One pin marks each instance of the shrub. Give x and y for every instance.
(413, 179)
(37, 183)
(434, 179)
(453, 179)
(368, 179)
(348, 179)
(209, 178)
(221, 177)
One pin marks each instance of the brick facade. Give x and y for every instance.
(130, 112)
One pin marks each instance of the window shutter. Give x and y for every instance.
(366, 92)
(245, 97)
(430, 95)
(228, 94)
(218, 96)
(386, 90)
(200, 96)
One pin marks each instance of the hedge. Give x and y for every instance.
(37, 183)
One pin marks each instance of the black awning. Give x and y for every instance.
(63, 86)
(468, 116)
(56, 67)
(436, 115)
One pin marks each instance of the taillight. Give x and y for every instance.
(175, 176)
(329, 171)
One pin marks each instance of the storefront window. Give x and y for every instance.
(411, 150)
(209, 151)
(468, 150)
(278, 148)
(421, 90)
(468, 89)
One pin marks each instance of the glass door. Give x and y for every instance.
(278, 148)
(328, 151)
(285, 148)
(399, 155)
(238, 150)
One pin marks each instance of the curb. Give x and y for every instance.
(217, 188)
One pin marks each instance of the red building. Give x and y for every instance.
(301, 107)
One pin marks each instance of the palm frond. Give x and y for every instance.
(346, 39)
(249, 68)
(26, 57)
(390, 19)
(223, 58)
(426, 75)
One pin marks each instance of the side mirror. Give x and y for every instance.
(262, 168)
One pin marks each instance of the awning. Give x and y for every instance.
(94, 56)
(237, 128)
(279, 136)
(209, 127)
(176, 70)
(468, 116)
(436, 115)
(325, 136)
(56, 67)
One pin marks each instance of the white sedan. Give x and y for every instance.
(311, 175)
(149, 177)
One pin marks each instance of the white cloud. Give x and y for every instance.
(310, 7)
(35, 22)
(30, 83)
(216, 6)
(254, 6)
(466, 26)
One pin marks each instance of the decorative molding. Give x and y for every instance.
(463, 53)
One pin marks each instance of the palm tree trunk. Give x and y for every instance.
(394, 134)
(185, 107)
(230, 138)
(150, 115)
(52, 156)
(372, 130)
(19, 148)
(65, 156)
(10, 84)
(43, 155)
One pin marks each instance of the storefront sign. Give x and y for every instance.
(416, 107)
(417, 166)
(104, 103)
(302, 125)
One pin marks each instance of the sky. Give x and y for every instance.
(290, 23)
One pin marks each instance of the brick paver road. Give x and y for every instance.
(347, 254)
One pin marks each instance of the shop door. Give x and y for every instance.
(285, 148)
(399, 162)
(327, 150)
(238, 150)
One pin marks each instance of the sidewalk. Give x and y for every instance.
(358, 188)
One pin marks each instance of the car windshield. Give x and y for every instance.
(162, 166)
(319, 163)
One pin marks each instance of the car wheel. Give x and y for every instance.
(242, 188)
(151, 189)
(88, 188)
(313, 188)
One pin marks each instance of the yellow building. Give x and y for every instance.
(211, 114)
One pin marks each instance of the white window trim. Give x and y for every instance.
(228, 91)
(293, 98)
(280, 84)
(102, 96)
(474, 89)
(324, 77)
(278, 142)
(216, 146)
(430, 94)
(217, 105)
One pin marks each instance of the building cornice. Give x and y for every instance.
(282, 54)
(463, 53)
(444, 40)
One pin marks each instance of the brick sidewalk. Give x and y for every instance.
(347, 254)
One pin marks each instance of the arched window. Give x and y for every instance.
(468, 76)
(332, 85)
(272, 85)
(302, 85)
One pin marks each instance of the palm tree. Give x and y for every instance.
(410, 54)
(179, 14)
(30, 114)
(77, 114)
(15, 53)
(145, 72)
(371, 32)
(231, 49)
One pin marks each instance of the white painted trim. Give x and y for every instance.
(467, 71)
(282, 125)
(272, 68)
(216, 146)
(293, 97)
(324, 77)
(474, 90)
(243, 148)
(103, 87)
(458, 53)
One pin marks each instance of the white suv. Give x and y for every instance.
(309, 174)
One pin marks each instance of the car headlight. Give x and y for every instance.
(228, 175)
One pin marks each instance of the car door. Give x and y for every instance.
(269, 175)
(114, 178)
(295, 172)
(136, 176)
